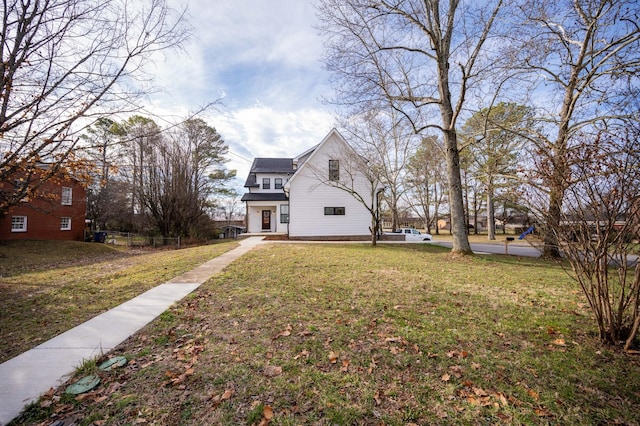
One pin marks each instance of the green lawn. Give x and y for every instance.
(49, 287)
(350, 334)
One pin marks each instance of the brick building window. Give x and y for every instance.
(18, 224)
(67, 196)
(65, 224)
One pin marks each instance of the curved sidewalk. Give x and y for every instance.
(27, 376)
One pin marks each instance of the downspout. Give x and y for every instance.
(287, 194)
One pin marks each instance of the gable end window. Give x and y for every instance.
(334, 170)
(277, 183)
(65, 224)
(18, 224)
(266, 183)
(66, 196)
(334, 211)
(21, 188)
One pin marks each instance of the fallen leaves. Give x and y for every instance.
(218, 399)
(272, 370)
(284, 333)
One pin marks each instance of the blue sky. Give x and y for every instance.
(261, 60)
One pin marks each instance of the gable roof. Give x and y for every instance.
(312, 152)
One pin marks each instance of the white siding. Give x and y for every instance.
(254, 216)
(309, 195)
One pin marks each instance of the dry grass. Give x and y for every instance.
(49, 287)
(349, 334)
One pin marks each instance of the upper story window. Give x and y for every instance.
(266, 183)
(20, 187)
(277, 183)
(66, 196)
(18, 224)
(334, 170)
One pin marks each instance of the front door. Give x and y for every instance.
(266, 220)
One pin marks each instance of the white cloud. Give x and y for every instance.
(262, 131)
(261, 58)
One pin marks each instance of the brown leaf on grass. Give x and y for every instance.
(376, 397)
(445, 377)
(227, 394)
(543, 412)
(480, 392)
(502, 399)
(218, 398)
(345, 365)
(372, 365)
(284, 333)
(267, 412)
(533, 394)
(333, 357)
(560, 342)
(456, 370)
(304, 353)
(272, 370)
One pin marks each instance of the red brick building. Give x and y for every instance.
(55, 211)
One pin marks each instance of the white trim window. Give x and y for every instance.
(67, 196)
(284, 213)
(334, 170)
(65, 224)
(18, 224)
(334, 211)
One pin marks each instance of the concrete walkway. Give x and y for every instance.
(24, 378)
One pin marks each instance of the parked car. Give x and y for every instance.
(411, 234)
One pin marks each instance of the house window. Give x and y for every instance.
(277, 183)
(66, 196)
(334, 211)
(65, 224)
(18, 224)
(284, 213)
(334, 170)
(21, 186)
(266, 183)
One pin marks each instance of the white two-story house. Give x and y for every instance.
(309, 196)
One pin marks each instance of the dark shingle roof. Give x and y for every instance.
(268, 165)
(272, 165)
(264, 196)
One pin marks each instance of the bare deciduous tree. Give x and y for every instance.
(583, 59)
(422, 57)
(426, 181)
(66, 63)
(181, 173)
(385, 141)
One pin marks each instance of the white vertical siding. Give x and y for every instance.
(309, 196)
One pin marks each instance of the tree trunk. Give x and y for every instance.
(491, 222)
(456, 205)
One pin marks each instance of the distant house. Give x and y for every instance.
(299, 196)
(55, 211)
